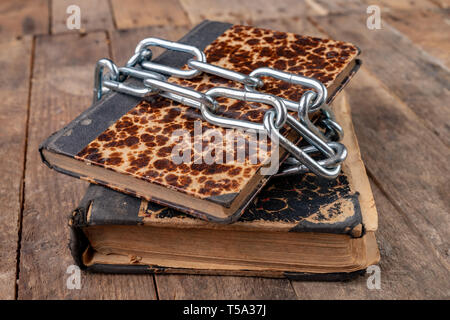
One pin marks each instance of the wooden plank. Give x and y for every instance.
(16, 54)
(423, 22)
(216, 287)
(444, 4)
(395, 144)
(413, 76)
(94, 15)
(62, 87)
(141, 13)
(410, 5)
(427, 28)
(243, 12)
(189, 286)
(407, 159)
(299, 26)
(21, 17)
(325, 7)
(409, 270)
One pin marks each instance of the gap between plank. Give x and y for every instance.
(293, 289)
(403, 106)
(113, 17)
(408, 222)
(24, 166)
(108, 42)
(186, 13)
(402, 103)
(156, 287)
(50, 16)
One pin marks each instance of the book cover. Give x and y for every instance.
(124, 143)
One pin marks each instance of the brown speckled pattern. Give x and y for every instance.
(138, 143)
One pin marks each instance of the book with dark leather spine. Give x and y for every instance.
(299, 227)
(123, 142)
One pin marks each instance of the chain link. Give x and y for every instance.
(154, 78)
(296, 80)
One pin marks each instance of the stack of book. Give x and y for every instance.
(143, 213)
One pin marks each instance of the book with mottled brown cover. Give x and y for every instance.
(124, 143)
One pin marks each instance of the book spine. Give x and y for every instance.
(78, 242)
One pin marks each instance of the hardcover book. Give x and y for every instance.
(301, 227)
(125, 143)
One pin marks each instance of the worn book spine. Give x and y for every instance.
(103, 206)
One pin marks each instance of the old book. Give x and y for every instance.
(125, 143)
(301, 227)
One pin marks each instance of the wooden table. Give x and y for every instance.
(400, 101)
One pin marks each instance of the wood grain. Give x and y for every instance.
(425, 23)
(62, 84)
(94, 15)
(410, 5)
(405, 158)
(242, 12)
(433, 23)
(15, 60)
(214, 287)
(21, 17)
(393, 140)
(325, 7)
(444, 4)
(414, 77)
(409, 270)
(298, 26)
(141, 13)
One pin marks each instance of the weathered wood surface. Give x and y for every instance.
(21, 17)
(215, 287)
(409, 270)
(393, 140)
(400, 162)
(15, 60)
(417, 79)
(60, 92)
(141, 13)
(243, 12)
(409, 162)
(399, 107)
(430, 22)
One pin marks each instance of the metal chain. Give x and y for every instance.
(155, 83)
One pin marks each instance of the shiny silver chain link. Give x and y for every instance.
(154, 77)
